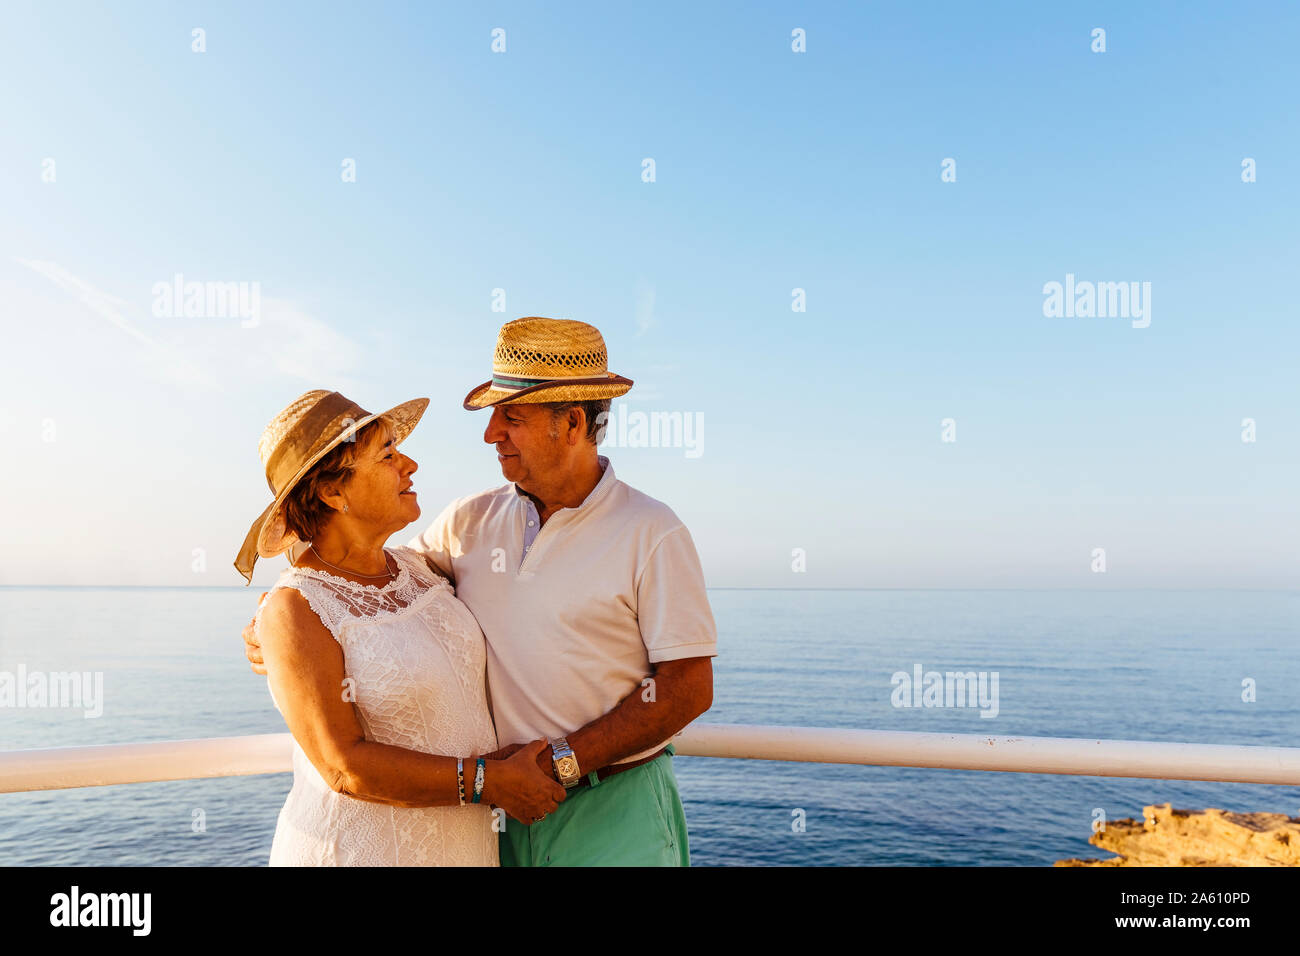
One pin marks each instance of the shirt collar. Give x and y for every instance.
(602, 486)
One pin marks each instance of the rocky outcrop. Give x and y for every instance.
(1169, 837)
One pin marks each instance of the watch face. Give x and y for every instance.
(567, 766)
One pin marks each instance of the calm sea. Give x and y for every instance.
(1149, 665)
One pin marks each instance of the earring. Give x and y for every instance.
(345, 509)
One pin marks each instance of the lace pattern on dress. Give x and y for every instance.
(339, 602)
(416, 659)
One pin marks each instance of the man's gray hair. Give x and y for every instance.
(597, 411)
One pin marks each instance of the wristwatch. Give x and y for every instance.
(565, 763)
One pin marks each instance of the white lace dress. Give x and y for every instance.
(416, 658)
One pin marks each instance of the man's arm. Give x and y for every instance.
(252, 649)
(676, 625)
(673, 696)
(436, 543)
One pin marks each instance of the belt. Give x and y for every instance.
(605, 772)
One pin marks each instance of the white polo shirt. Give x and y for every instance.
(573, 623)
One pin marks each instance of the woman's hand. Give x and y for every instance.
(520, 787)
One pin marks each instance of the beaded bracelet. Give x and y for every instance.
(460, 779)
(478, 780)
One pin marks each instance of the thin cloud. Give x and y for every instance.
(301, 346)
(286, 341)
(98, 301)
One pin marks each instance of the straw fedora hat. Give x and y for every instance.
(548, 360)
(295, 440)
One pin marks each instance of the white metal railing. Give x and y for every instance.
(63, 767)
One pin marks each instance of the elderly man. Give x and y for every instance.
(591, 597)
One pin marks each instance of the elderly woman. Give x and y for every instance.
(375, 664)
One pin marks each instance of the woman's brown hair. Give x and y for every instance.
(304, 511)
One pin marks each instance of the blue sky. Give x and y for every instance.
(131, 438)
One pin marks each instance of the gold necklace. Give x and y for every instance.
(386, 574)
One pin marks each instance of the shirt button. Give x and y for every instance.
(531, 523)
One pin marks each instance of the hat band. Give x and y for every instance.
(513, 383)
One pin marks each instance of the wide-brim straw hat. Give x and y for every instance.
(548, 360)
(295, 440)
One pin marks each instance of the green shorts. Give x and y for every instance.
(634, 818)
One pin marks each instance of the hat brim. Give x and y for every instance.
(269, 534)
(588, 389)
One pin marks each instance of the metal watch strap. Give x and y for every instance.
(559, 750)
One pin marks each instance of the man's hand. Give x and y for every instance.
(546, 761)
(520, 788)
(545, 756)
(507, 751)
(252, 649)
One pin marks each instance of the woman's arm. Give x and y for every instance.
(305, 668)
